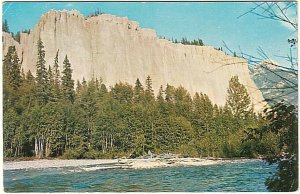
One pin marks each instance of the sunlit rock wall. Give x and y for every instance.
(117, 49)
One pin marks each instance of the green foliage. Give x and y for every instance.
(185, 41)
(17, 37)
(45, 117)
(5, 27)
(12, 78)
(12, 68)
(42, 79)
(203, 112)
(149, 93)
(55, 83)
(138, 92)
(11, 123)
(122, 92)
(67, 81)
(73, 154)
(283, 125)
(26, 31)
(96, 13)
(92, 154)
(183, 102)
(56, 73)
(238, 99)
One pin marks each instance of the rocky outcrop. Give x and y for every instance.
(117, 49)
(267, 77)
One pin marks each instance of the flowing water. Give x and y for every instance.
(242, 176)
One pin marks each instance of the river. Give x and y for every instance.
(243, 176)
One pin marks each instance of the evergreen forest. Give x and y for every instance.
(45, 115)
(50, 115)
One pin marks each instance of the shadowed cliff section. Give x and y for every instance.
(117, 49)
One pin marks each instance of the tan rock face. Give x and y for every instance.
(117, 49)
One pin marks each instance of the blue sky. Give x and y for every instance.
(212, 22)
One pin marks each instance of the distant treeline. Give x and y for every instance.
(185, 41)
(95, 13)
(16, 37)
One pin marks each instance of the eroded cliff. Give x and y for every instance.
(117, 49)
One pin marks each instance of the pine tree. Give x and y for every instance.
(50, 75)
(97, 84)
(238, 99)
(23, 76)
(183, 102)
(41, 75)
(122, 92)
(200, 42)
(169, 93)
(29, 87)
(56, 79)
(5, 27)
(16, 71)
(103, 90)
(206, 111)
(170, 100)
(196, 120)
(161, 103)
(78, 87)
(149, 93)
(29, 76)
(12, 68)
(138, 91)
(160, 97)
(17, 37)
(67, 81)
(11, 78)
(84, 83)
(51, 94)
(56, 73)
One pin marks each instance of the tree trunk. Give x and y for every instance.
(110, 142)
(22, 151)
(43, 146)
(18, 153)
(16, 149)
(11, 148)
(143, 148)
(40, 147)
(105, 143)
(102, 143)
(36, 149)
(48, 147)
(66, 141)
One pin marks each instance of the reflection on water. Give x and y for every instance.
(246, 176)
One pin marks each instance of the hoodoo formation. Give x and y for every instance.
(117, 49)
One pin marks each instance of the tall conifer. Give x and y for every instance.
(42, 78)
(149, 94)
(67, 81)
(12, 68)
(138, 91)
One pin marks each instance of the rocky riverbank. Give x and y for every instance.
(87, 164)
